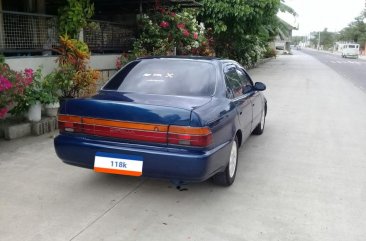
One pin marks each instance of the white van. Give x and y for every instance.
(350, 50)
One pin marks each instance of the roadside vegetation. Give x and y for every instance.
(355, 32)
(239, 30)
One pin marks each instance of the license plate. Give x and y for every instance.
(118, 164)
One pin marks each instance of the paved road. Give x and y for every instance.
(304, 179)
(352, 69)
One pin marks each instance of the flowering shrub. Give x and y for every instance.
(32, 92)
(163, 30)
(5, 95)
(12, 86)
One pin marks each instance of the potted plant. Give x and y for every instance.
(32, 97)
(51, 97)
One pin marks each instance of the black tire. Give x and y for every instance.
(260, 127)
(227, 177)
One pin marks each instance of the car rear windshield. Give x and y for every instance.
(165, 77)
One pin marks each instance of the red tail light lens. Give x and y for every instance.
(174, 135)
(190, 136)
(69, 123)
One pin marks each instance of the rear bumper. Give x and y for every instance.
(351, 55)
(158, 162)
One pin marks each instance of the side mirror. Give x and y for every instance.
(259, 86)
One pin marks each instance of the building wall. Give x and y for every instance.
(48, 64)
(106, 64)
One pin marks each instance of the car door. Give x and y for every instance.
(234, 91)
(255, 96)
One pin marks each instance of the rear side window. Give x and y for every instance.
(351, 46)
(166, 77)
(233, 82)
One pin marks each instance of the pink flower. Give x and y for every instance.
(195, 35)
(28, 72)
(181, 25)
(185, 33)
(164, 24)
(118, 63)
(28, 78)
(3, 112)
(5, 84)
(173, 14)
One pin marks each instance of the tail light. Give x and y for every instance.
(173, 135)
(69, 123)
(189, 136)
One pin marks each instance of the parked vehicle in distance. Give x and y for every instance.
(176, 118)
(350, 50)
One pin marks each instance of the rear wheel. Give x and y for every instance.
(260, 127)
(227, 177)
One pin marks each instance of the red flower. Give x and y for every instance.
(185, 33)
(28, 72)
(181, 26)
(5, 84)
(28, 79)
(3, 112)
(195, 35)
(164, 24)
(118, 63)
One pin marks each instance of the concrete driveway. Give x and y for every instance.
(303, 179)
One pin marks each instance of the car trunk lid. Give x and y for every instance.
(136, 117)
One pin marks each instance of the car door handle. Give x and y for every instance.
(241, 112)
(253, 104)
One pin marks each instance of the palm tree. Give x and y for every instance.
(282, 26)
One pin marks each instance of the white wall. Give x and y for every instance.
(100, 62)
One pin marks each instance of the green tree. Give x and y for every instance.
(241, 28)
(281, 27)
(327, 39)
(355, 31)
(296, 40)
(73, 17)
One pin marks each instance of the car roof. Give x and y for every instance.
(206, 58)
(198, 58)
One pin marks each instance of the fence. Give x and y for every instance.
(109, 36)
(27, 33)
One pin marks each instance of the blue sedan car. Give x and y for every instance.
(176, 118)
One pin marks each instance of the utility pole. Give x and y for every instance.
(319, 41)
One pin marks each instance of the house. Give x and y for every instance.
(28, 31)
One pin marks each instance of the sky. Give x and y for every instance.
(315, 15)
